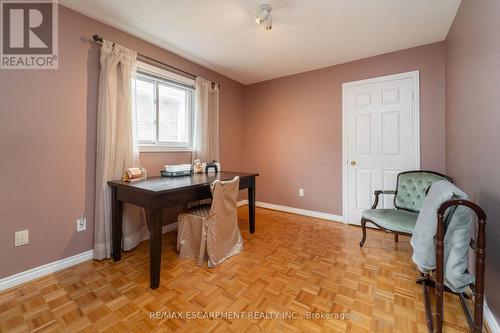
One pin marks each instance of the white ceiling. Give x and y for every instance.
(307, 34)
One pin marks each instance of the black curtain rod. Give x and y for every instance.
(99, 39)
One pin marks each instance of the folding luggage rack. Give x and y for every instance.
(479, 246)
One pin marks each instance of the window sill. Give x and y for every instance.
(159, 149)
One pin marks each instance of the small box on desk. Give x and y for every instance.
(177, 170)
(165, 173)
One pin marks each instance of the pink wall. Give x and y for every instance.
(288, 129)
(293, 126)
(473, 120)
(48, 138)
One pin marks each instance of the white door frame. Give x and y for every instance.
(416, 123)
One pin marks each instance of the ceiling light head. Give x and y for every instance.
(264, 16)
(268, 23)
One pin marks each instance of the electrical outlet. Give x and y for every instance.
(21, 237)
(301, 192)
(81, 224)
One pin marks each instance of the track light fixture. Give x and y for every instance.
(264, 16)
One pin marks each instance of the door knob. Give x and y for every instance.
(353, 162)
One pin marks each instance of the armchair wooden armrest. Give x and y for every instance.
(378, 193)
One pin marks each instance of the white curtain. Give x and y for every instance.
(115, 146)
(206, 121)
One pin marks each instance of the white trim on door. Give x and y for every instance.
(415, 75)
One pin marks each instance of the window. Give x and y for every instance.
(163, 110)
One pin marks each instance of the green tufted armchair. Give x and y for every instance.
(411, 188)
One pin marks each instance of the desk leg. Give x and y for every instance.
(251, 206)
(155, 233)
(116, 224)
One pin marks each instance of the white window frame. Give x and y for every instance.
(162, 76)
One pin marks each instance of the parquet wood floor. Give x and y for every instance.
(291, 266)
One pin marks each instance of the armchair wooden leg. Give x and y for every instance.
(396, 238)
(363, 227)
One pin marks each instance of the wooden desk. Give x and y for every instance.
(156, 194)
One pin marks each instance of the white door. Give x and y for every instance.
(381, 138)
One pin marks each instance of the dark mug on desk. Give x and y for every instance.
(211, 164)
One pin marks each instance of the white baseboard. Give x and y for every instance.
(169, 227)
(293, 210)
(40, 271)
(37, 272)
(490, 319)
(164, 230)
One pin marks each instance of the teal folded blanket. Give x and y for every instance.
(456, 240)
